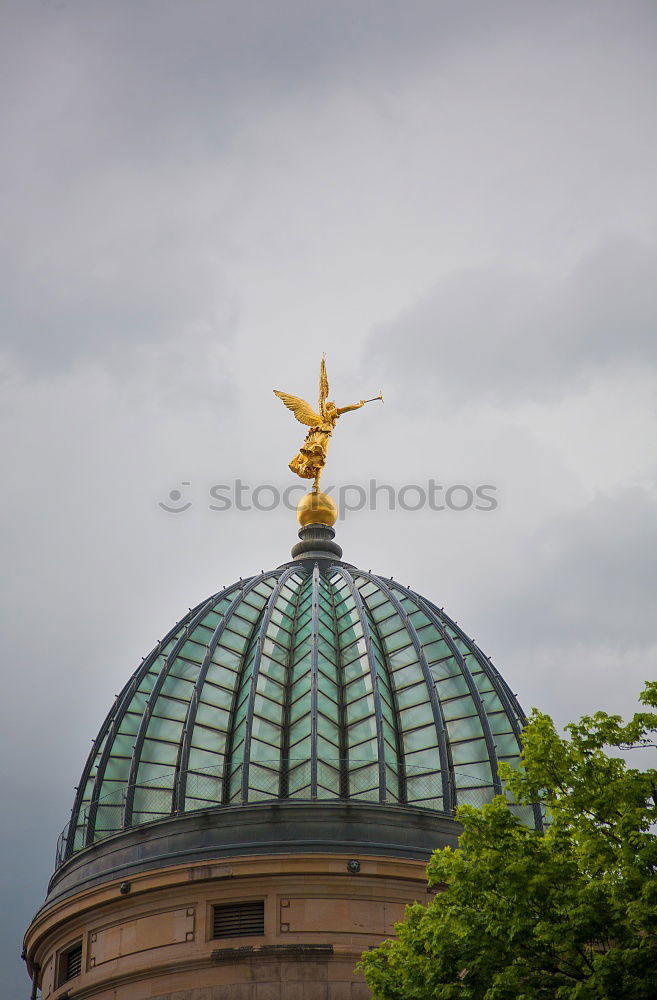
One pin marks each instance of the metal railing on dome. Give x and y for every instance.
(334, 780)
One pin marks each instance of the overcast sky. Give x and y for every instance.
(457, 201)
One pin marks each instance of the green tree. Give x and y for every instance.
(568, 914)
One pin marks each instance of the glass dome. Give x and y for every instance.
(314, 681)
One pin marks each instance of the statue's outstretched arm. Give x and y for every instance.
(354, 406)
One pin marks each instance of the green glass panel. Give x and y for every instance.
(419, 739)
(425, 790)
(458, 707)
(269, 710)
(364, 779)
(355, 689)
(355, 669)
(139, 700)
(408, 676)
(209, 739)
(193, 651)
(498, 722)
(301, 750)
(472, 775)
(123, 745)
(491, 702)
(249, 612)
(464, 729)
(327, 728)
(170, 708)
(262, 729)
(177, 687)
(300, 729)
(299, 780)
(150, 804)
(262, 751)
(471, 750)
(506, 744)
(402, 658)
(263, 779)
(271, 688)
(422, 760)
(359, 709)
(239, 625)
(418, 715)
(301, 666)
(329, 690)
(164, 729)
(108, 818)
(213, 717)
(301, 695)
(414, 695)
(117, 768)
(227, 658)
(130, 725)
(273, 650)
(155, 774)
(160, 753)
(361, 731)
(326, 652)
(390, 626)
(328, 749)
(366, 750)
(211, 694)
(240, 713)
(329, 777)
(233, 641)
(203, 759)
(303, 632)
(449, 687)
(353, 650)
(429, 633)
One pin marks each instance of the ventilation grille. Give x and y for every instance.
(72, 963)
(239, 919)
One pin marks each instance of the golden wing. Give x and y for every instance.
(323, 384)
(302, 410)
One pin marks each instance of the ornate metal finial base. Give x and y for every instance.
(317, 513)
(317, 508)
(316, 543)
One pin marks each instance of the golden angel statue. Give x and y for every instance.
(309, 462)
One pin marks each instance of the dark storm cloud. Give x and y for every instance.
(513, 335)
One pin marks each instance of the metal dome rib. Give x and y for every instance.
(433, 699)
(190, 718)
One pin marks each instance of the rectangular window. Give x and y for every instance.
(231, 920)
(70, 963)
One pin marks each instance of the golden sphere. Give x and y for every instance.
(317, 508)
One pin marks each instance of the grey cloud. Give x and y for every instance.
(200, 196)
(588, 577)
(512, 335)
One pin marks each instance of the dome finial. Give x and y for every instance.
(310, 460)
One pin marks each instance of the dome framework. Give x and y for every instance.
(315, 681)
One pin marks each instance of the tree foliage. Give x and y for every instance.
(568, 914)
